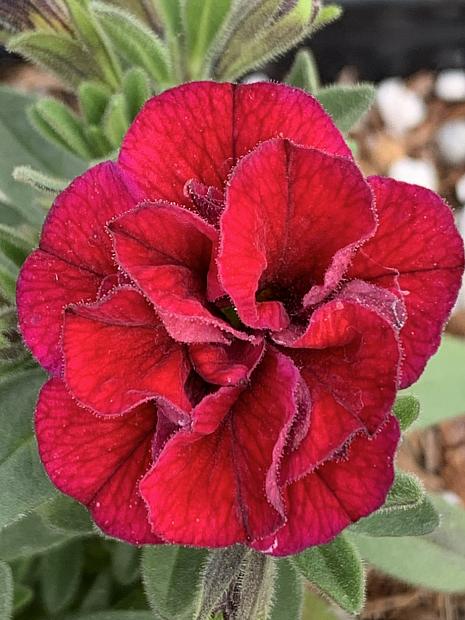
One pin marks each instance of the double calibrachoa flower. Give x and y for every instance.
(226, 314)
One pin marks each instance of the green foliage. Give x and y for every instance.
(116, 120)
(315, 608)
(23, 595)
(171, 575)
(407, 512)
(347, 104)
(288, 592)
(304, 72)
(406, 410)
(125, 563)
(113, 615)
(435, 561)
(67, 516)
(254, 587)
(39, 181)
(60, 574)
(93, 100)
(136, 88)
(6, 592)
(336, 569)
(441, 388)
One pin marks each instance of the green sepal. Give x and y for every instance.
(327, 15)
(39, 181)
(93, 99)
(254, 588)
(288, 592)
(407, 512)
(95, 40)
(406, 409)
(171, 575)
(304, 72)
(136, 89)
(60, 575)
(116, 121)
(347, 104)
(58, 53)
(135, 42)
(203, 20)
(63, 123)
(336, 569)
(6, 592)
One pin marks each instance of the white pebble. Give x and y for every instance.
(450, 85)
(460, 190)
(416, 171)
(401, 109)
(450, 139)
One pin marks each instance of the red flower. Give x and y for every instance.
(227, 314)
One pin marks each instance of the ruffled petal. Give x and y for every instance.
(351, 485)
(418, 250)
(205, 128)
(289, 210)
(75, 255)
(118, 355)
(168, 252)
(98, 461)
(219, 488)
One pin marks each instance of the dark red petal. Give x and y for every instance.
(289, 211)
(349, 486)
(98, 461)
(46, 285)
(74, 256)
(118, 354)
(200, 130)
(223, 364)
(417, 238)
(220, 489)
(167, 251)
(349, 358)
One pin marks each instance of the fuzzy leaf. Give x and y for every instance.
(116, 121)
(441, 389)
(125, 563)
(171, 575)
(60, 575)
(113, 615)
(255, 588)
(66, 516)
(23, 483)
(6, 592)
(23, 596)
(27, 538)
(98, 142)
(327, 14)
(7, 285)
(93, 100)
(65, 124)
(58, 53)
(406, 410)
(304, 72)
(337, 570)
(134, 41)
(435, 561)
(99, 595)
(170, 14)
(347, 104)
(136, 90)
(15, 244)
(288, 592)
(39, 181)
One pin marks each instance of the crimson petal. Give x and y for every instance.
(216, 489)
(417, 238)
(118, 354)
(206, 128)
(98, 461)
(289, 210)
(75, 255)
(348, 487)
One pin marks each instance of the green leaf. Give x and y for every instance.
(337, 570)
(16, 243)
(406, 410)
(39, 181)
(203, 20)
(98, 142)
(326, 15)
(95, 41)
(407, 512)
(23, 483)
(7, 284)
(304, 72)
(347, 104)
(60, 575)
(135, 42)
(65, 124)
(254, 587)
(6, 592)
(435, 561)
(27, 147)
(93, 100)
(288, 592)
(315, 608)
(116, 121)
(441, 388)
(23, 596)
(27, 538)
(113, 615)
(58, 53)
(125, 563)
(170, 14)
(171, 575)
(98, 596)
(136, 90)
(67, 516)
